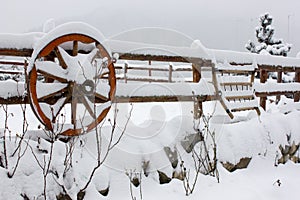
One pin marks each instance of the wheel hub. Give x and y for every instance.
(87, 87)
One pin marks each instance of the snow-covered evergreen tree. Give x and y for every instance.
(267, 43)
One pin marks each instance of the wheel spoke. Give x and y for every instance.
(49, 90)
(102, 91)
(101, 97)
(51, 70)
(83, 100)
(51, 111)
(66, 100)
(75, 48)
(74, 111)
(58, 53)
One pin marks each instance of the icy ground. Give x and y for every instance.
(151, 127)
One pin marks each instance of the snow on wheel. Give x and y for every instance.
(71, 79)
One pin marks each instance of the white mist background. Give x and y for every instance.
(218, 24)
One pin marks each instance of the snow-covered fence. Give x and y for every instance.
(162, 72)
(197, 56)
(265, 89)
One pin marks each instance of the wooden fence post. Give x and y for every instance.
(297, 80)
(196, 73)
(125, 72)
(170, 72)
(263, 79)
(149, 71)
(279, 80)
(198, 107)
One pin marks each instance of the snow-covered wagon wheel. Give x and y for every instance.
(71, 80)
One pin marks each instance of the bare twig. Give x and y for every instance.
(111, 145)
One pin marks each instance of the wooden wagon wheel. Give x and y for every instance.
(70, 71)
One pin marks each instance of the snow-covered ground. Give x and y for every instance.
(154, 141)
(151, 127)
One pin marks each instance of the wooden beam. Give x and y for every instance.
(196, 73)
(275, 68)
(276, 93)
(198, 108)
(15, 100)
(139, 99)
(263, 79)
(14, 72)
(279, 80)
(297, 79)
(170, 73)
(147, 57)
(230, 98)
(231, 84)
(16, 52)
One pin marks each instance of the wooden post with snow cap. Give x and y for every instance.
(263, 79)
(297, 80)
(170, 72)
(125, 71)
(197, 102)
(279, 80)
(149, 71)
(198, 107)
(196, 73)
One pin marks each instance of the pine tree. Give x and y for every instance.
(267, 43)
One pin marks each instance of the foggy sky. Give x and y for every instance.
(218, 24)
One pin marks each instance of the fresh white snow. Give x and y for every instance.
(153, 126)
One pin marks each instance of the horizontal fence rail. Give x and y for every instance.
(195, 68)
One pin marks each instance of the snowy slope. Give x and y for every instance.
(152, 127)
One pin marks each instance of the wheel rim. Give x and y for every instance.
(72, 75)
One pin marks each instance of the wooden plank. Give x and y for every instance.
(147, 57)
(148, 68)
(235, 71)
(6, 62)
(246, 97)
(14, 72)
(242, 64)
(146, 80)
(155, 69)
(276, 93)
(16, 52)
(136, 99)
(118, 99)
(243, 109)
(15, 100)
(183, 69)
(236, 84)
(275, 68)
